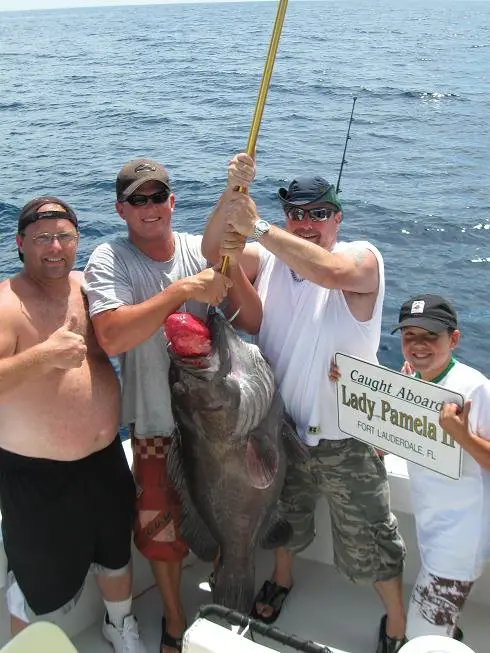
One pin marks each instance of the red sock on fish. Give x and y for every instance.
(187, 334)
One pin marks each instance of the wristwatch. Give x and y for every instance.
(261, 228)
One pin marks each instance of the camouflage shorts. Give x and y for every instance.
(367, 544)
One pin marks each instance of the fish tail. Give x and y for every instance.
(235, 585)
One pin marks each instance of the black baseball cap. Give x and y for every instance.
(137, 172)
(430, 312)
(309, 190)
(30, 213)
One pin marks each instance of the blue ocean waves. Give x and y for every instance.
(84, 90)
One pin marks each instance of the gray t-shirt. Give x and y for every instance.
(119, 274)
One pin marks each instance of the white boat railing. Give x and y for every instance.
(41, 637)
(435, 644)
(205, 636)
(237, 632)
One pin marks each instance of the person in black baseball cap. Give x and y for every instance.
(446, 511)
(450, 515)
(429, 326)
(40, 239)
(59, 437)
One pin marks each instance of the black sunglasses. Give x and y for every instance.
(142, 200)
(297, 214)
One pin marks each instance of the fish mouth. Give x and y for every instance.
(201, 362)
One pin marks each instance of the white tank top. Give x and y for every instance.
(303, 326)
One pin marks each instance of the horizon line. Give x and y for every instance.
(104, 4)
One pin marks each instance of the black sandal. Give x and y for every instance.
(458, 634)
(168, 640)
(272, 595)
(388, 644)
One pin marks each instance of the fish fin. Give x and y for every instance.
(262, 460)
(234, 586)
(193, 530)
(294, 446)
(275, 532)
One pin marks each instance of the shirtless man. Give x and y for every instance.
(66, 491)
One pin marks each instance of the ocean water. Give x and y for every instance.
(83, 90)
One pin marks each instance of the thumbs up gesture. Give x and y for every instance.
(65, 348)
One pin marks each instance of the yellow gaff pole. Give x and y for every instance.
(264, 88)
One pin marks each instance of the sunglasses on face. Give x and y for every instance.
(142, 200)
(296, 214)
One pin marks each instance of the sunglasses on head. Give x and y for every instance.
(141, 200)
(297, 214)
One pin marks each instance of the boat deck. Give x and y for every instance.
(322, 607)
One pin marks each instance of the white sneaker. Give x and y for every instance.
(125, 639)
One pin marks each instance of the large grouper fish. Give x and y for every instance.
(228, 458)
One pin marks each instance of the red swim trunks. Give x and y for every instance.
(156, 526)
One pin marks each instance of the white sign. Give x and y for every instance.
(396, 413)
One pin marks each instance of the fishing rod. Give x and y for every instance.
(266, 77)
(264, 87)
(337, 190)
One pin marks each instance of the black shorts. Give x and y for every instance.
(59, 517)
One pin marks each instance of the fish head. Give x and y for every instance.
(227, 390)
(198, 383)
(195, 374)
(227, 353)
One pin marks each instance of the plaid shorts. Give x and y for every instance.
(144, 448)
(156, 526)
(367, 544)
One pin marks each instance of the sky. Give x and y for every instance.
(14, 5)
(19, 5)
